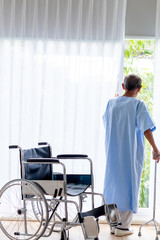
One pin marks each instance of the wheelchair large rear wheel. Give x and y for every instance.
(17, 219)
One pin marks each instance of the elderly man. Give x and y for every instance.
(127, 121)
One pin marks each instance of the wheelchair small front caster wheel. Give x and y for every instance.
(64, 235)
(139, 234)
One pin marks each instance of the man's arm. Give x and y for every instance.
(149, 135)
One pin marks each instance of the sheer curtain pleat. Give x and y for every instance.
(60, 62)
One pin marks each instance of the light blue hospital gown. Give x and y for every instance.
(125, 120)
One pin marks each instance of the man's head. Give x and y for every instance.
(132, 82)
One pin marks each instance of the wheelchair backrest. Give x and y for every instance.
(36, 171)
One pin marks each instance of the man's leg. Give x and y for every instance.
(126, 219)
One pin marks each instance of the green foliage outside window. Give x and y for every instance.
(139, 59)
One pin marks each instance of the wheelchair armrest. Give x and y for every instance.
(65, 156)
(79, 157)
(43, 160)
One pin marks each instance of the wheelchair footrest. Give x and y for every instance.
(90, 228)
(108, 210)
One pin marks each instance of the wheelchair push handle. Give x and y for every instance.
(13, 146)
(42, 143)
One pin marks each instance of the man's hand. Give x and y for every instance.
(156, 155)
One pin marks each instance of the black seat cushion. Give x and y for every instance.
(76, 183)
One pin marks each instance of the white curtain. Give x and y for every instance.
(156, 113)
(60, 61)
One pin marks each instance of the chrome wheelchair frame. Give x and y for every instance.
(35, 203)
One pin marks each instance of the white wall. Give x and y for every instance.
(140, 18)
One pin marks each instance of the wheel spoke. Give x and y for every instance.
(15, 210)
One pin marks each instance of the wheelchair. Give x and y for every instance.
(43, 201)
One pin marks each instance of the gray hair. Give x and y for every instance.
(132, 82)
